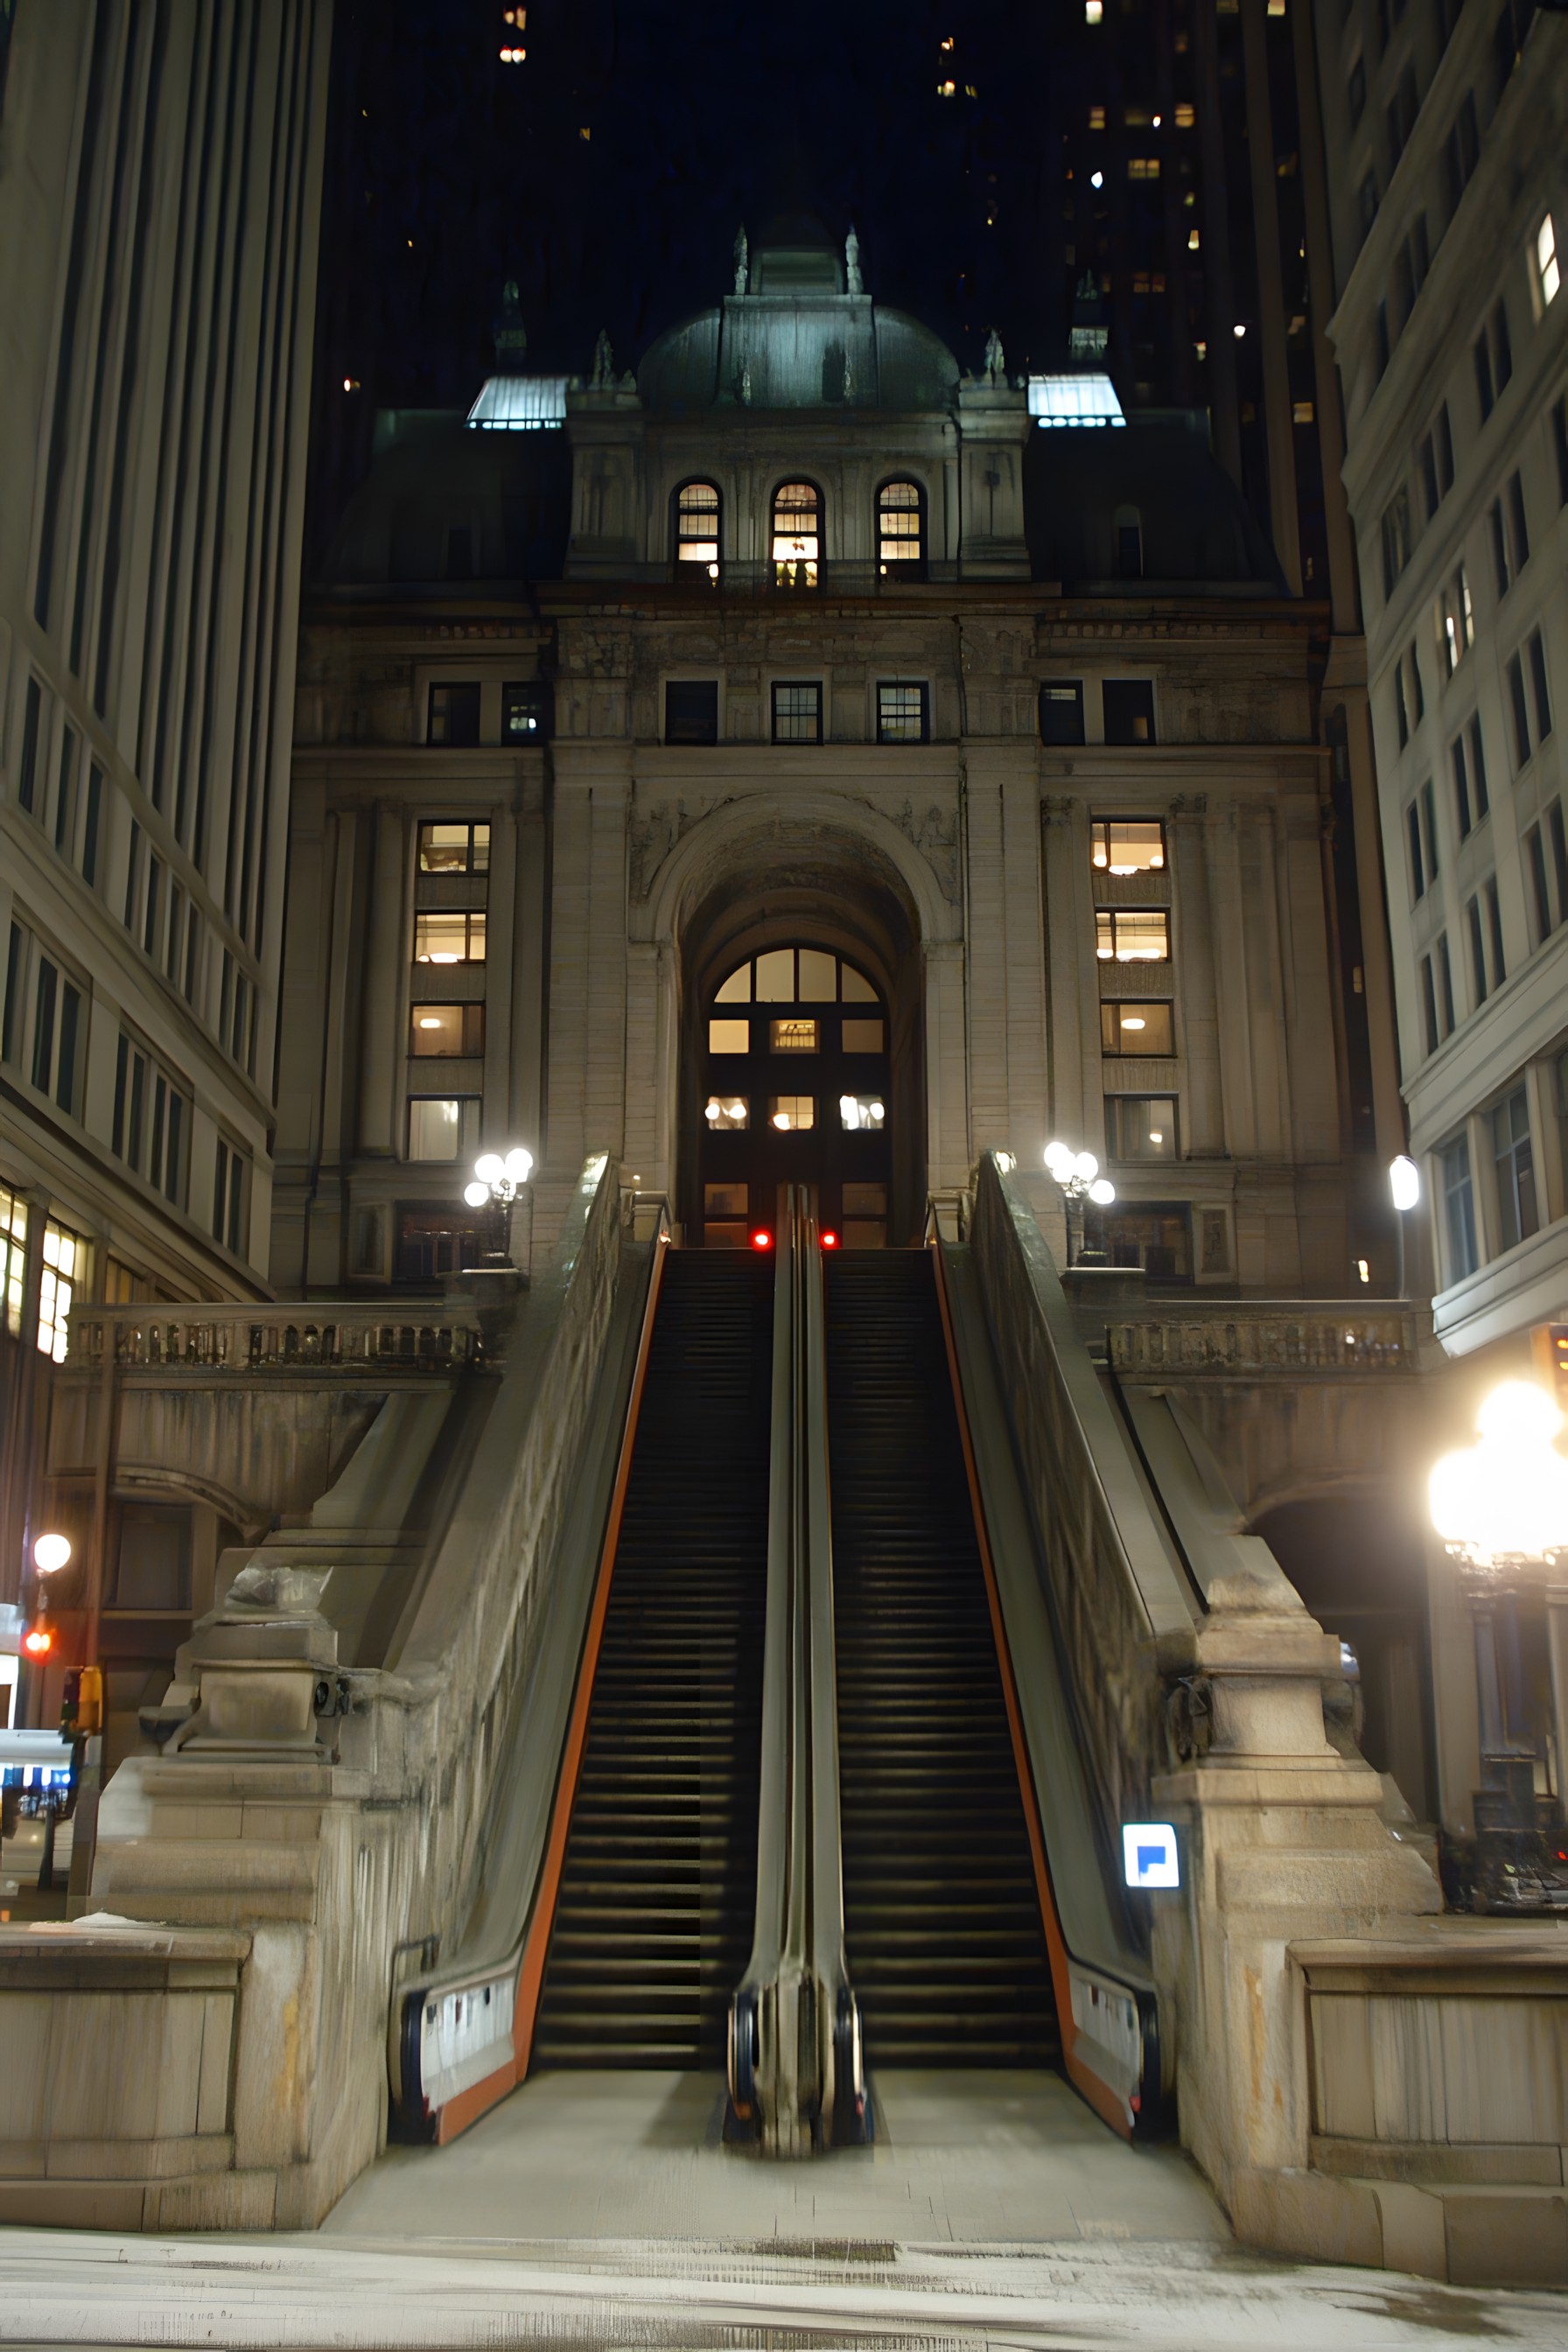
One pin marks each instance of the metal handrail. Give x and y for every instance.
(796, 2080)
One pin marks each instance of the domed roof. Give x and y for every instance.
(445, 504)
(802, 334)
(1081, 486)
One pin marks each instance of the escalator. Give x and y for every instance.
(941, 1907)
(653, 1920)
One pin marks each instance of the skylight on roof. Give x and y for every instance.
(520, 404)
(1074, 400)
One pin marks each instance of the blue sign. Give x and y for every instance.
(1148, 1854)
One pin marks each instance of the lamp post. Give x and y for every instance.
(1405, 1187)
(495, 1187)
(1501, 1509)
(51, 1552)
(1077, 1175)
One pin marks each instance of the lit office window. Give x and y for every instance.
(797, 535)
(454, 849)
(862, 1114)
(901, 534)
(12, 1258)
(697, 531)
(725, 1113)
(450, 1029)
(1136, 1029)
(1140, 1127)
(445, 936)
(64, 1274)
(1131, 935)
(435, 1127)
(1123, 845)
(792, 1114)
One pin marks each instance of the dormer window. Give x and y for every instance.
(697, 531)
(900, 531)
(797, 535)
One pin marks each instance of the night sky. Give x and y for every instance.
(449, 173)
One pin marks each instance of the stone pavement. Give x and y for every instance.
(603, 2211)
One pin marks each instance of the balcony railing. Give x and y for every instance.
(1246, 1336)
(286, 1336)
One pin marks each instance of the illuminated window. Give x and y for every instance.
(726, 1200)
(1187, 115)
(435, 1127)
(724, 1113)
(697, 531)
(862, 1114)
(448, 938)
(793, 1036)
(775, 977)
(1094, 10)
(1144, 167)
(12, 1258)
(862, 1036)
(796, 976)
(454, 849)
(1140, 1127)
(901, 713)
(1456, 620)
(435, 1029)
(729, 1036)
(1548, 276)
(901, 532)
(1131, 934)
(64, 1274)
(526, 712)
(792, 1114)
(797, 712)
(1127, 845)
(1097, 118)
(797, 535)
(1136, 1029)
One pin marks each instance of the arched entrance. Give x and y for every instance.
(792, 926)
(795, 1089)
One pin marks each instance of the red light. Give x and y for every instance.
(761, 1241)
(830, 1241)
(38, 1641)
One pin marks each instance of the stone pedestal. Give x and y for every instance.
(1282, 1840)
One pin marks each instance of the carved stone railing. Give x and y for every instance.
(1246, 1338)
(283, 1336)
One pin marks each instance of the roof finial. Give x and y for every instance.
(742, 257)
(604, 376)
(852, 281)
(996, 366)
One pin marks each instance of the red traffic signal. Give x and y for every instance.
(830, 1241)
(761, 1241)
(39, 1639)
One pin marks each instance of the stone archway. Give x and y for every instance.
(751, 878)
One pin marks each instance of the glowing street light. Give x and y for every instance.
(52, 1553)
(496, 1185)
(1077, 1175)
(1404, 1190)
(1501, 1507)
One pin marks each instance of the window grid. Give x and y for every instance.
(797, 535)
(1514, 1166)
(64, 1273)
(1131, 934)
(902, 712)
(901, 528)
(798, 710)
(12, 1258)
(1459, 1209)
(697, 529)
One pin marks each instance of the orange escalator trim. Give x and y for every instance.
(467, 2107)
(1099, 2095)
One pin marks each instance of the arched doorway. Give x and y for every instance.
(794, 1088)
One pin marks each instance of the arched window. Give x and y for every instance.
(1129, 527)
(797, 535)
(901, 531)
(697, 529)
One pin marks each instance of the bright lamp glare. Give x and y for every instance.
(519, 1165)
(1087, 1166)
(1404, 1182)
(489, 1168)
(476, 1195)
(1102, 1192)
(1507, 1498)
(51, 1553)
(1059, 1161)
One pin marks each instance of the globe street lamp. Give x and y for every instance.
(496, 1185)
(1077, 1175)
(1405, 1187)
(1501, 1509)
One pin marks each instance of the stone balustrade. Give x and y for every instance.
(1249, 1338)
(282, 1336)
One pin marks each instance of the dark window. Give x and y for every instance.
(1420, 251)
(1417, 858)
(1396, 538)
(691, 710)
(16, 955)
(1429, 1005)
(1485, 391)
(1445, 984)
(65, 796)
(902, 712)
(229, 1198)
(1355, 92)
(1128, 704)
(1519, 526)
(797, 536)
(1459, 1209)
(454, 714)
(89, 831)
(1540, 895)
(454, 848)
(1140, 1127)
(1560, 443)
(1461, 786)
(1478, 949)
(43, 1004)
(132, 863)
(1520, 709)
(433, 1238)
(1503, 348)
(1463, 150)
(1416, 681)
(1515, 1162)
(1429, 829)
(460, 551)
(697, 531)
(798, 710)
(1402, 110)
(527, 713)
(1401, 714)
(1061, 710)
(1478, 769)
(1428, 462)
(28, 774)
(150, 904)
(901, 531)
(1538, 688)
(1368, 202)
(1383, 346)
(1499, 549)
(1559, 857)
(1494, 928)
(1130, 549)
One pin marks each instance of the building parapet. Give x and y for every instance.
(324, 1336)
(1250, 1336)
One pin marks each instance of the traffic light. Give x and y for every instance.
(1549, 1342)
(39, 1639)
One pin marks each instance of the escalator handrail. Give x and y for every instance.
(1072, 1972)
(510, 1984)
